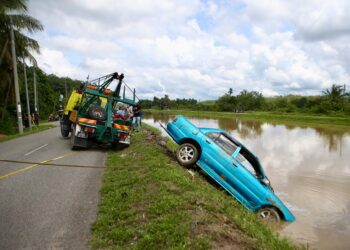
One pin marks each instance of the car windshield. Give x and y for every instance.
(244, 157)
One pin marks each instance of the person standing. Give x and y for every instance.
(35, 117)
(26, 120)
(137, 117)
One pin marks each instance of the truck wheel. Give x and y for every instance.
(269, 215)
(64, 130)
(97, 112)
(187, 154)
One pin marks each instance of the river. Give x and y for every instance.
(309, 169)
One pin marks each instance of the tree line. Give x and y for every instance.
(50, 89)
(335, 100)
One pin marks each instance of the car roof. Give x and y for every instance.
(206, 130)
(217, 130)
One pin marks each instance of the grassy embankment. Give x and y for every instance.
(148, 201)
(299, 119)
(26, 131)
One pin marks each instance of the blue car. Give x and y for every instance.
(230, 164)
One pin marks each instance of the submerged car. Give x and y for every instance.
(230, 164)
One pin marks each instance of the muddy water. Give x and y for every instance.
(309, 169)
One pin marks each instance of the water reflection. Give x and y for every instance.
(163, 118)
(309, 169)
(253, 128)
(334, 139)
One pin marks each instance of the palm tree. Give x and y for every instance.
(15, 10)
(336, 93)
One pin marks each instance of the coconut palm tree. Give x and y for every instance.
(336, 93)
(15, 10)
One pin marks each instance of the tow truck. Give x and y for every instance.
(89, 113)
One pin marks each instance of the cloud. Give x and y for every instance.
(328, 21)
(54, 61)
(199, 49)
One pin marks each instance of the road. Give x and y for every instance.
(48, 206)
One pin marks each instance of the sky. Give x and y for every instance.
(198, 49)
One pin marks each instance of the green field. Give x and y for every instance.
(148, 201)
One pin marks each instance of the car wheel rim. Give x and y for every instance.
(186, 154)
(268, 215)
(265, 215)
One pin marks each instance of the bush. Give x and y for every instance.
(322, 108)
(8, 126)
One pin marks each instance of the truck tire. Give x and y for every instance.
(64, 129)
(97, 113)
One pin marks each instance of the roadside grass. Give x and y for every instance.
(148, 201)
(26, 131)
(299, 119)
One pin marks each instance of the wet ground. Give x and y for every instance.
(309, 169)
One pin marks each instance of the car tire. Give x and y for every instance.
(187, 154)
(97, 113)
(269, 215)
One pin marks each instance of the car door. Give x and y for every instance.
(217, 159)
(226, 158)
(251, 187)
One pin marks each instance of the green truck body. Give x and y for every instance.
(89, 113)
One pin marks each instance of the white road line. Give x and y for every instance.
(60, 157)
(36, 149)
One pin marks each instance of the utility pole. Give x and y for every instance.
(27, 96)
(36, 107)
(15, 77)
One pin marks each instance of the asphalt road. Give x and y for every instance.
(48, 207)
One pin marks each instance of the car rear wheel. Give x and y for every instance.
(187, 154)
(269, 215)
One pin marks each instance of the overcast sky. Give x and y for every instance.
(199, 49)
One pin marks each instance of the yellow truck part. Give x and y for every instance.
(73, 100)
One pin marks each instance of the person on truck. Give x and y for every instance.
(122, 113)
